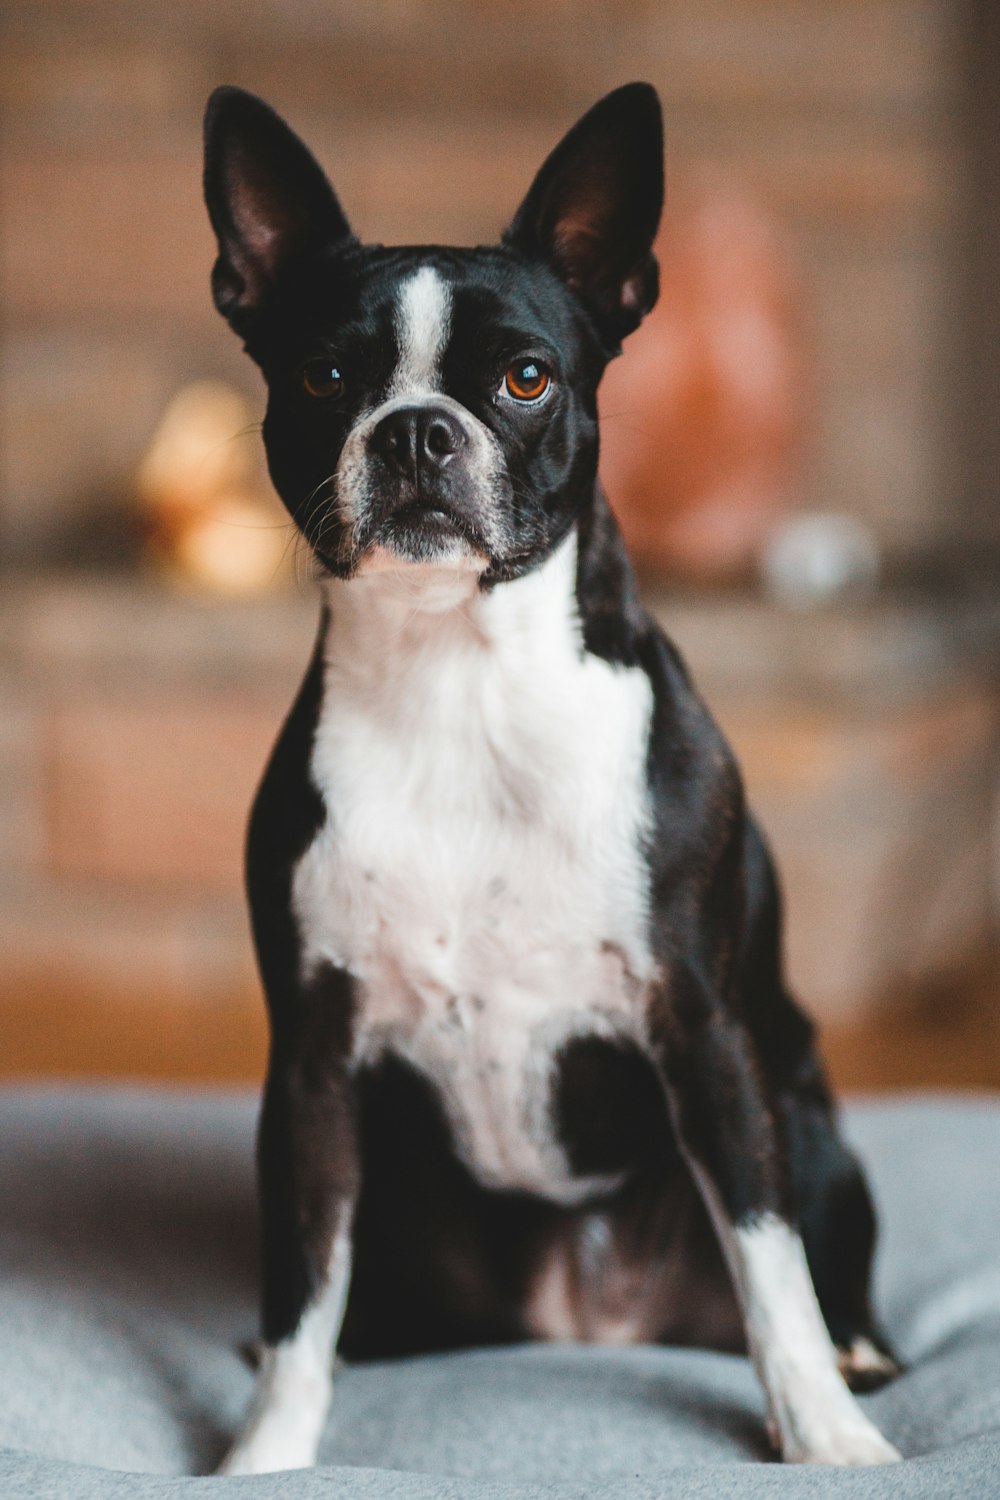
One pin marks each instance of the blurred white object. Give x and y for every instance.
(812, 559)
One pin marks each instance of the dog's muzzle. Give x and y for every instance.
(423, 483)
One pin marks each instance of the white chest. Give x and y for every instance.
(480, 873)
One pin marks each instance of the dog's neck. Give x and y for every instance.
(387, 615)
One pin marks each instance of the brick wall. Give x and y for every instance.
(431, 116)
(133, 725)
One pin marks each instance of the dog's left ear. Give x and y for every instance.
(593, 210)
(268, 199)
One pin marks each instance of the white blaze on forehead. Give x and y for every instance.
(423, 317)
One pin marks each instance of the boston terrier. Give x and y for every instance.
(534, 1071)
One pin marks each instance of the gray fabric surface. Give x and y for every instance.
(127, 1277)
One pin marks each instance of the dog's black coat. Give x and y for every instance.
(439, 1259)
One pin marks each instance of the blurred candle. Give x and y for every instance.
(210, 521)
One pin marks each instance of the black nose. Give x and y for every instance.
(417, 437)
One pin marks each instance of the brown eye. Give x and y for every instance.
(527, 380)
(321, 377)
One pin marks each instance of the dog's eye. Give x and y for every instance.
(527, 380)
(321, 377)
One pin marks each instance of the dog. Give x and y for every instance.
(534, 1070)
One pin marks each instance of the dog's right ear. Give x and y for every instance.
(268, 199)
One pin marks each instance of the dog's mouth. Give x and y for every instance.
(405, 524)
(415, 533)
(431, 518)
(427, 531)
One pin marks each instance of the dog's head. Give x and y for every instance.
(430, 404)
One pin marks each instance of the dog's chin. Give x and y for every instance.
(415, 539)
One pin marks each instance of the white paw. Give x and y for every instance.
(286, 1417)
(277, 1435)
(852, 1441)
(267, 1452)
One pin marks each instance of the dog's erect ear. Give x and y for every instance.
(267, 197)
(593, 210)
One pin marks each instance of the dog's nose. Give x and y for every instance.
(417, 437)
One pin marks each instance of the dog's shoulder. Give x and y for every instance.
(691, 771)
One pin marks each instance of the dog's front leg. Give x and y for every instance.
(729, 1134)
(308, 1173)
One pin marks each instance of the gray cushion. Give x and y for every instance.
(127, 1257)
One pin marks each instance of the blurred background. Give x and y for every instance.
(802, 445)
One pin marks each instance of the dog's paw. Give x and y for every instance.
(275, 1437)
(866, 1367)
(849, 1440)
(267, 1452)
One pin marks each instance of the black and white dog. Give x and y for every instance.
(534, 1071)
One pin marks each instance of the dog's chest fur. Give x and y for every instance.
(480, 870)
